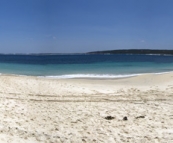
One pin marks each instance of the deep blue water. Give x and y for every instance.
(84, 65)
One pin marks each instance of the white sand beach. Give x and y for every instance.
(34, 109)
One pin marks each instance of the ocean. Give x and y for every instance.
(84, 65)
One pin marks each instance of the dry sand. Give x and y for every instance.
(74, 110)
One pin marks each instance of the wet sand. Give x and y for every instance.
(135, 109)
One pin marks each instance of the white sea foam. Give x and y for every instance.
(163, 72)
(92, 76)
(101, 76)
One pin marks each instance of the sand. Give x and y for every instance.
(35, 109)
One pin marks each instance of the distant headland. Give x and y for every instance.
(135, 51)
(122, 51)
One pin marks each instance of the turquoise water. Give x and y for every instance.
(71, 66)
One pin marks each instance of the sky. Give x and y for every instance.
(77, 26)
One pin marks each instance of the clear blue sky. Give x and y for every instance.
(64, 26)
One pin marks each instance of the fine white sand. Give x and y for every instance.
(36, 109)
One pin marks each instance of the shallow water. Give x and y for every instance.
(88, 66)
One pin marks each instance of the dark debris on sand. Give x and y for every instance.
(125, 118)
(140, 117)
(109, 117)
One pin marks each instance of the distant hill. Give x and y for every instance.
(134, 51)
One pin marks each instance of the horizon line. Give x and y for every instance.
(49, 53)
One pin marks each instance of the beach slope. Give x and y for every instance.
(134, 109)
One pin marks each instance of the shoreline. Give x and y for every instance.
(62, 110)
(89, 76)
(142, 82)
